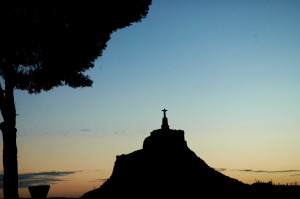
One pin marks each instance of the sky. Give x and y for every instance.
(226, 71)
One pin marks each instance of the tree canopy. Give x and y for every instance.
(52, 43)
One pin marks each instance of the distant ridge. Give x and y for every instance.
(164, 167)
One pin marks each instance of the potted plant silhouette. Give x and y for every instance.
(39, 191)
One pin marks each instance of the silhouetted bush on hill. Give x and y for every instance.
(274, 190)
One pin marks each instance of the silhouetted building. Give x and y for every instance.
(164, 167)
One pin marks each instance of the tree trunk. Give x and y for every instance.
(9, 134)
(10, 162)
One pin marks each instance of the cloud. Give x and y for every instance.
(266, 171)
(261, 171)
(50, 177)
(99, 180)
(120, 132)
(220, 169)
(85, 130)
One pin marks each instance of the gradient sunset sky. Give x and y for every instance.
(227, 71)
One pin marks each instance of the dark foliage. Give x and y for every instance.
(52, 43)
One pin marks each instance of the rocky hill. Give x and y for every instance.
(164, 167)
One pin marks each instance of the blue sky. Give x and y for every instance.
(226, 71)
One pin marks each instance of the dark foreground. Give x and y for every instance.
(256, 190)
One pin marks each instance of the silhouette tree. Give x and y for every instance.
(51, 43)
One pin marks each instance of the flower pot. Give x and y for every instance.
(39, 191)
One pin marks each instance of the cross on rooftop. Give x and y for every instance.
(164, 112)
